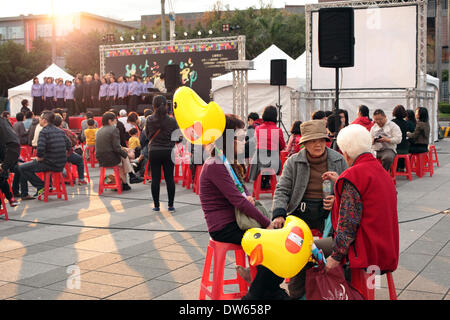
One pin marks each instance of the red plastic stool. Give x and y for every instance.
(216, 254)
(421, 163)
(283, 158)
(59, 187)
(257, 191)
(408, 168)
(75, 173)
(178, 174)
(360, 279)
(3, 210)
(69, 177)
(198, 172)
(187, 176)
(117, 181)
(433, 154)
(147, 176)
(92, 158)
(26, 152)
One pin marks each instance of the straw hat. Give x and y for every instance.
(313, 129)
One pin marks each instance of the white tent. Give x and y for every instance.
(23, 91)
(260, 92)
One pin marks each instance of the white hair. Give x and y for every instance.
(123, 113)
(354, 140)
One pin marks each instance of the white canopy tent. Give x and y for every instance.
(260, 92)
(23, 91)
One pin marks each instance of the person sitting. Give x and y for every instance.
(90, 133)
(108, 150)
(319, 115)
(5, 115)
(364, 216)
(134, 144)
(25, 106)
(72, 157)
(411, 120)
(28, 120)
(399, 113)
(51, 155)
(299, 190)
(219, 196)
(19, 127)
(420, 138)
(160, 83)
(294, 145)
(269, 143)
(386, 135)
(363, 118)
(331, 130)
(253, 121)
(84, 124)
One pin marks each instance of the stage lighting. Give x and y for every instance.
(185, 34)
(174, 35)
(144, 37)
(121, 38)
(226, 27)
(210, 32)
(132, 38)
(154, 36)
(199, 33)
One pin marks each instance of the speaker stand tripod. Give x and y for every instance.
(336, 105)
(280, 114)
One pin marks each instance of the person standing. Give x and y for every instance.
(19, 127)
(386, 135)
(133, 92)
(69, 98)
(122, 91)
(159, 130)
(9, 154)
(78, 96)
(49, 94)
(87, 92)
(112, 91)
(103, 95)
(37, 95)
(95, 88)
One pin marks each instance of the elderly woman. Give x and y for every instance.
(220, 196)
(364, 215)
(421, 136)
(299, 191)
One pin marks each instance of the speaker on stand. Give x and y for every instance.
(172, 81)
(278, 78)
(336, 44)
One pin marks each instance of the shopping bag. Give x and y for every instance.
(329, 285)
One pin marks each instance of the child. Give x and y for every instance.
(90, 133)
(293, 144)
(134, 144)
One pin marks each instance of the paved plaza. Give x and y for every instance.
(115, 247)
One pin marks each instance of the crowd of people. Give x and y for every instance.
(363, 210)
(87, 91)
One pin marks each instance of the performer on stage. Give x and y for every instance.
(133, 94)
(148, 84)
(49, 94)
(37, 94)
(69, 98)
(59, 94)
(87, 92)
(122, 92)
(95, 88)
(112, 91)
(78, 96)
(103, 94)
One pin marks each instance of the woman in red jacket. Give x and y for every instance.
(269, 143)
(363, 118)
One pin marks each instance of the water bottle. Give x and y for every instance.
(326, 188)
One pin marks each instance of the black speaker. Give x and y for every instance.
(336, 37)
(172, 77)
(278, 72)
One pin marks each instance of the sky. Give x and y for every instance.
(128, 9)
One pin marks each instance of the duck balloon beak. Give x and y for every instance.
(256, 256)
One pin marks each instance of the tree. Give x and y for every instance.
(81, 51)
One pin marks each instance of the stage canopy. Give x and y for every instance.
(23, 91)
(260, 92)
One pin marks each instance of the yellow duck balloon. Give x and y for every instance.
(200, 123)
(284, 251)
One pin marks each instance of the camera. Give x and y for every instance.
(377, 138)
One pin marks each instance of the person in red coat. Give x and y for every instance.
(269, 142)
(363, 118)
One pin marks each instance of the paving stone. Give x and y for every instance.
(134, 270)
(46, 294)
(10, 290)
(425, 247)
(61, 256)
(155, 263)
(146, 291)
(111, 279)
(418, 295)
(188, 291)
(14, 270)
(183, 275)
(100, 261)
(86, 288)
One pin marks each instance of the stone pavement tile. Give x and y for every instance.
(418, 295)
(111, 279)
(3, 259)
(183, 275)
(155, 263)
(146, 291)
(201, 241)
(402, 277)
(62, 256)
(414, 262)
(439, 232)
(447, 297)
(12, 289)
(383, 294)
(176, 256)
(194, 252)
(188, 291)
(425, 247)
(24, 251)
(47, 278)
(134, 271)
(105, 243)
(7, 244)
(86, 288)
(100, 261)
(14, 270)
(445, 251)
(46, 294)
(434, 275)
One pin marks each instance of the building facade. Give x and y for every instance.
(25, 29)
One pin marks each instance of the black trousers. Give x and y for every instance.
(60, 103)
(37, 105)
(265, 280)
(48, 104)
(72, 107)
(103, 104)
(79, 106)
(133, 102)
(158, 159)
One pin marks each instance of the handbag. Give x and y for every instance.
(329, 285)
(150, 142)
(245, 222)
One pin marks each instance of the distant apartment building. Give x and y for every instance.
(25, 29)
